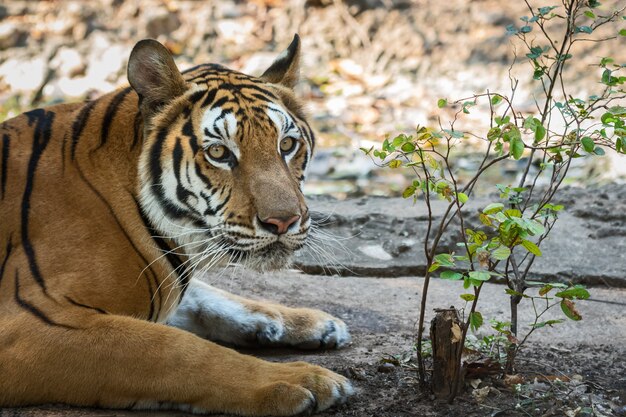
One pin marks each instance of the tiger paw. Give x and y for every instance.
(305, 329)
(298, 387)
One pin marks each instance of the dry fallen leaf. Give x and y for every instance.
(511, 380)
(481, 393)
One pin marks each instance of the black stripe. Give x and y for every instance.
(180, 268)
(109, 114)
(156, 171)
(203, 177)
(182, 193)
(260, 90)
(220, 102)
(9, 248)
(41, 138)
(210, 97)
(197, 96)
(127, 236)
(34, 310)
(79, 125)
(5, 163)
(76, 303)
(211, 212)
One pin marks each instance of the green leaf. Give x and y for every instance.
(462, 197)
(480, 275)
(444, 259)
(442, 102)
(517, 148)
(494, 133)
(598, 151)
(618, 110)
(545, 289)
(525, 29)
(515, 293)
(511, 132)
(540, 133)
(493, 208)
(502, 253)
(546, 9)
(484, 219)
(396, 163)
(531, 247)
(408, 147)
(513, 213)
(622, 32)
(590, 14)
(531, 123)
(409, 191)
(606, 60)
(468, 297)
(584, 29)
(569, 309)
(538, 73)
(398, 140)
(451, 275)
(588, 144)
(547, 323)
(466, 282)
(476, 320)
(535, 52)
(501, 120)
(496, 99)
(433, 267)
(534, 227)
(574, 292)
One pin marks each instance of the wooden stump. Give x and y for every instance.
(445, 335)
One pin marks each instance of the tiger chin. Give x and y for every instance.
(110, 208)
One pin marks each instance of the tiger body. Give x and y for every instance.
(110, 206)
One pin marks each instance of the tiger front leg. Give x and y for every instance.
(120, 362)
(219, 316)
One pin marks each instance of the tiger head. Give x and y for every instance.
(224, 158)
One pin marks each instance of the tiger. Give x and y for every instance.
(109, 207)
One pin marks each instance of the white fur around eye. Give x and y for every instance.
(286, 128)
(220, 127)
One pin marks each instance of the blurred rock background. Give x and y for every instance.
(371, 67)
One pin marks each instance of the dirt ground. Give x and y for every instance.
(382, 312)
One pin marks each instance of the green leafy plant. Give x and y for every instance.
(510, 231)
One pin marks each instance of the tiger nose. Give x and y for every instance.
(278, 225)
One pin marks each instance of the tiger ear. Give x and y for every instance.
(285, 70)
(153, 74)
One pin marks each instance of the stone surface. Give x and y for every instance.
(384, 237)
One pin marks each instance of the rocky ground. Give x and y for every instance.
(370, 67)
(571, 369)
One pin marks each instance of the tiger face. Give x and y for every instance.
(224, 158)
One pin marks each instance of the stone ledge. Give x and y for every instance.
(383, 237)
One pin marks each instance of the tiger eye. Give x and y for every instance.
(287, 144)
(217, 151)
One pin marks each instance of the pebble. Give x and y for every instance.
(386, 368)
